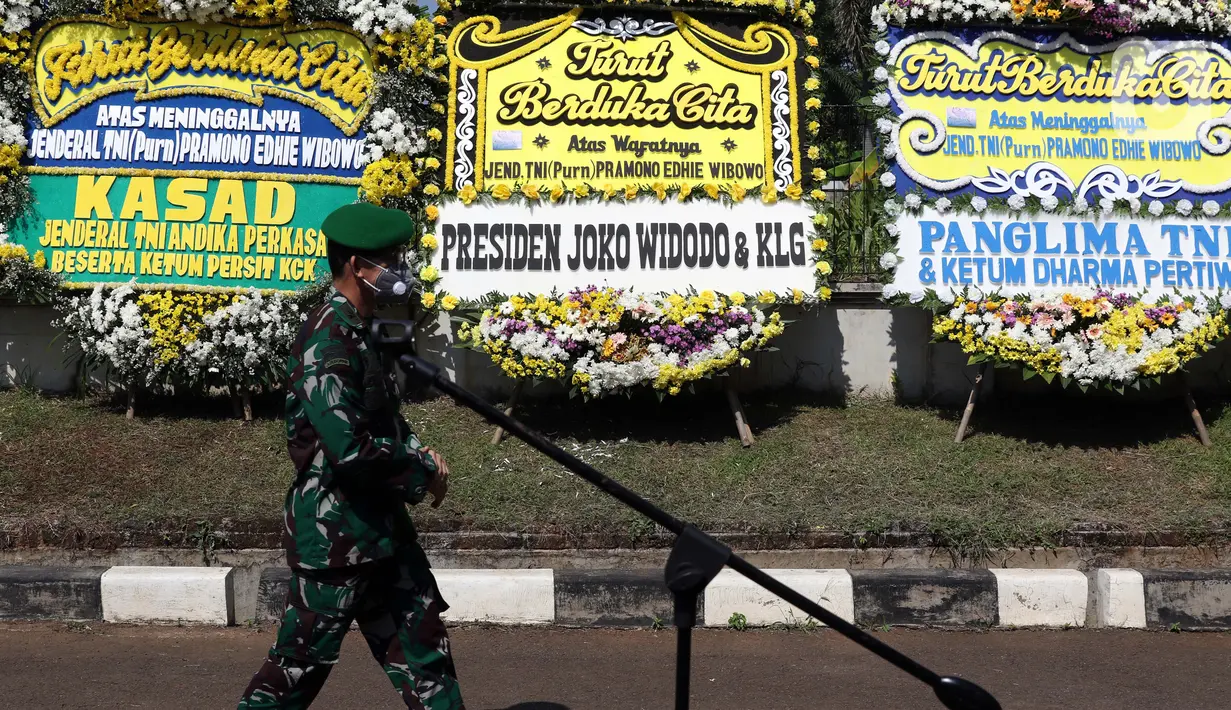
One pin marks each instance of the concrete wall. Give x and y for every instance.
(855, 347)
(30, 354)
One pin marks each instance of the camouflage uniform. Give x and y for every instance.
(348, 538)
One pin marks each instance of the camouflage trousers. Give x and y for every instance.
(397, 605)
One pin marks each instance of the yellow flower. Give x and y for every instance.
(812, 103)
(556, 193)
(431, 163)
(738, 298)
(440, 20)
(685, 191)
(712, 190)
(814, 126)
(434, 134)
(449, 302)
(502, 192)
(794, 191)
(660, 190)
(530, 190)
(630, 191)
(824, 268)
(438, 108)
(581, 190)
(811, 41)
(813, 152)
(609, 191)
(40, 260)
(812, 83)
(819, 244)
(428, 242)
(431, 190)
(819, 174)
(737, 192)
(467, 194)
(429, 300)
(818, 195)
(769, 197)
(821, 219)
(812, 61)
(797, 296)
(1088, 309)
(432, 212)
(428, 274)
(766, 297)
(826, 293)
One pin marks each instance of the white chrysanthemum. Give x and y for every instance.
(1156, 208)
(917, 296)
(943, 204)
(1017, 202)
(913, 201)
(1080, 205)
(890, 291)
(978, 204)
(888, 179)
(889, 260)
(1049, 202)
(376, 17)
(1211, 208)
(882, 99)
(1184, 207)
(881, 74)
(882, 47)
(201, 11)
(18, 15)
(884, 125)
(390, 134)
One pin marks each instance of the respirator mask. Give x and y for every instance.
(392, 286)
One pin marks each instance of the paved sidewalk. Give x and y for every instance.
(52, 665)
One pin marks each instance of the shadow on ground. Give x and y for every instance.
(1096, 419)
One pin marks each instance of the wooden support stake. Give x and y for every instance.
(1196, 415)
(508, 411)
(970, 405)
(741, 422)
(246, 398)
(132, 402)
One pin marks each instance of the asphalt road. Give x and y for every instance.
(102, 666)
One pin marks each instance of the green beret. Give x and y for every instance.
(367, 227)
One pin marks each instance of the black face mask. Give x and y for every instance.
(392, 286)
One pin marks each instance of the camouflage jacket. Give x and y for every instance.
(357, 463)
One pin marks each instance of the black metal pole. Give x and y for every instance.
(955, 693)
(683, 666)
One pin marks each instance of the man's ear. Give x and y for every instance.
(353, 263)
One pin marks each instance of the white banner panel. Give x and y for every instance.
(646, 245)
(1013, 254)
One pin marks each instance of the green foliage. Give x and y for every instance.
(738, 622)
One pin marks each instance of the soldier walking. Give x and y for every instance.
(349, 541)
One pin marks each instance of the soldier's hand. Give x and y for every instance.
(439, 487)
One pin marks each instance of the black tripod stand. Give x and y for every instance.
(696, 558)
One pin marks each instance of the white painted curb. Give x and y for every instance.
(1041, 597)
(504, 596)
(188, 595)
(1120, 596)
(732, 593)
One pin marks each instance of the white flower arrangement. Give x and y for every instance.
(390, 134)
(1184, 207)
(1205, 17)
(1156, 208)
(882, 48)
(1017, 202)
(108, 327)
(882, 99)
(1081, 205)
(978, 204)
(913, 201)
(11, 132)
(1211, 208)
(888, 179)
(889, 261)
(248, 341)
(1090, 336)
(376, 17)
(943, 204)
(18, 15)
(606, 341)
(1049, 202)
(881, 74)
(884, 125)
(202, 11)
(893, 208)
